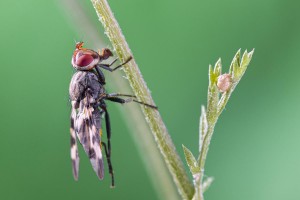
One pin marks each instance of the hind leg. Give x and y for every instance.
(107, 147)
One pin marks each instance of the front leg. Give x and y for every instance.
(100, 74)
(107, 66)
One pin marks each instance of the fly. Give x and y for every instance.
(88, 96)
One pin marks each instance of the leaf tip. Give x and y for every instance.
(203, 109)
(218, 67)
(207, 183)
(250, 54)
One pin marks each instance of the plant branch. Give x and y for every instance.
(140, 89)
(225, 83)
(215, 106)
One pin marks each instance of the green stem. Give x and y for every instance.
(132, 115)
(198, 190)
(140, 89)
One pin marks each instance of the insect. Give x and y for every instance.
(88, 96)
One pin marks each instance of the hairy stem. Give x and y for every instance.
(140, 89)
(155, 166)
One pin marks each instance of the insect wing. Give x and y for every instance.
(88, 133)
(74, 148)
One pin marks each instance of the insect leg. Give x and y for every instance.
(107, 124)
(110, 168)
(100, 75)
(119, 94)
(108, 147)
(107, 66)
(122, 101)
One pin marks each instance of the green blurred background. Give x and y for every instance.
(254, 152)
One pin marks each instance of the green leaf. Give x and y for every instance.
(235, 62)
(214, 72)
(191, 161)
(212, 77)
(207, 183)
(246, 59)
(238, 67)
(218, 68)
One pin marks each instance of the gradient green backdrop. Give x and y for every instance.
(255, 150)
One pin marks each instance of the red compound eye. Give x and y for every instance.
(84, 60)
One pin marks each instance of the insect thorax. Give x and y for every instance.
(84, 82)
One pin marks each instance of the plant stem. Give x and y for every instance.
(140, 89)
(132, 115)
